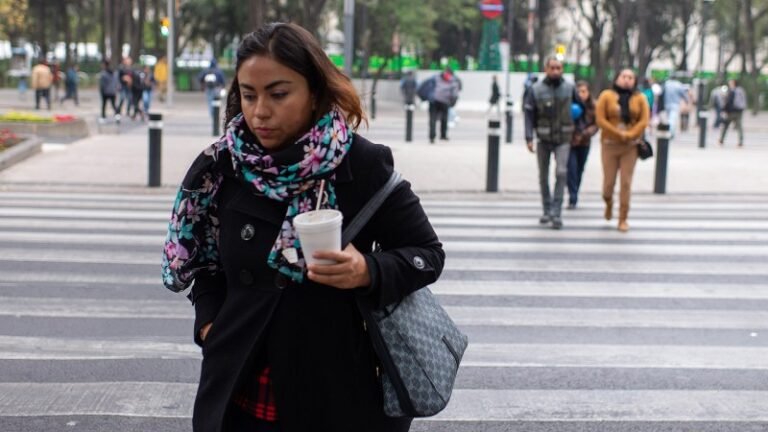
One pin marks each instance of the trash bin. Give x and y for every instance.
(183, 82)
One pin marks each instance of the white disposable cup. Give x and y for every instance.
(319, 230)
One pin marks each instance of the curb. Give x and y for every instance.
(23, 150)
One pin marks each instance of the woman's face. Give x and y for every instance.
(276, 102)
(626, 79)
(583, 93)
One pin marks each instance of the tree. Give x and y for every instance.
(12, 16)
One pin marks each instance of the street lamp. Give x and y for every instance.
(705, 6)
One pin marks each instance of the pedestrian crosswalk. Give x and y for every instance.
(664, 328)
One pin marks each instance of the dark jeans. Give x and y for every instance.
(552, 205)
(240, 421)
(577, 159)
(104, 100)
(45, 94)
(438, 109)
(71, 93)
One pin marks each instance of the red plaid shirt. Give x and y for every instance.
(256, 398)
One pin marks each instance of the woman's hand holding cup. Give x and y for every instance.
(350, 270)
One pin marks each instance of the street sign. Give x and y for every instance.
(491, 8)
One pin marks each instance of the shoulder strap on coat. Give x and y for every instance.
(365, 214)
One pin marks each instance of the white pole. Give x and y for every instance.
(171, 56)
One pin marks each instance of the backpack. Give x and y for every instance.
(426, 89)
(210, 79)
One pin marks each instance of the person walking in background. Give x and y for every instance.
(211, 81)
(56, 72)
(42, 79)
(408, 86)
(735, 104)
(148, 84)
(125, 76)
(442, 92)
(548, 111)
(585, 127)
(495, 97)
(71, 81)
(161, 78)
(675, 93)
(283, 345)
(108, 88)
(717, 102)
(138, 78)
(622, 114)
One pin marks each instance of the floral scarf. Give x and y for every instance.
(193, 231)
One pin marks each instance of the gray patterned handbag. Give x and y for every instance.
(417, 343)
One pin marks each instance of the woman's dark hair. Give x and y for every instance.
(296, 48)
(581, 83)
(618, 74)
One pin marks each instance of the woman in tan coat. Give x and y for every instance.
(622, 114)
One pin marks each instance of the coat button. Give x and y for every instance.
(247, 232)
(281, 281)
(246, 277)
(418, 262)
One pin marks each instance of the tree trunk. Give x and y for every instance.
(42, 25)
(66, 30)
(686, 17)
(137, 29)
(751, 51)
(117, 30)
(159, 42)
(257, 14)
(619, 35)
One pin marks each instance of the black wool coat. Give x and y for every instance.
(323, 368)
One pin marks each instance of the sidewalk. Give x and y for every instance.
(459, 165)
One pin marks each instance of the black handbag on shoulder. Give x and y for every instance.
(644, 149)
(418, 345)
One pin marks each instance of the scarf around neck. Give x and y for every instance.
(624, 96)
(193, 231)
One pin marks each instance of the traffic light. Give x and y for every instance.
(165, 26)
(560, 51)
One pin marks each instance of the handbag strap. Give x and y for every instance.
(373, 204)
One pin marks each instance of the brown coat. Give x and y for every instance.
(608, 115)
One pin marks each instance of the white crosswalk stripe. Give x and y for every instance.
(684, 294)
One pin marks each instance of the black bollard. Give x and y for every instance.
(409, 122)
(702, 130)
(373, 105)
(662, 153)
(216, 113)
(701, 117)
(509, 122)
(492, 179)
(155, 148)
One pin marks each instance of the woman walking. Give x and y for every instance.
(622, 114)
(585, 128)
(284, 345)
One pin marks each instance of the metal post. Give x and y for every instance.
(349, 35)
(171, 61)
(662, 153)
(492, 179)
(509, 119)
(216, 117)
(373, 105)
(702, 126)
(409, 122)
(510, 39)
(155, 148)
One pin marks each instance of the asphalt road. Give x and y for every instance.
(661, 329)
